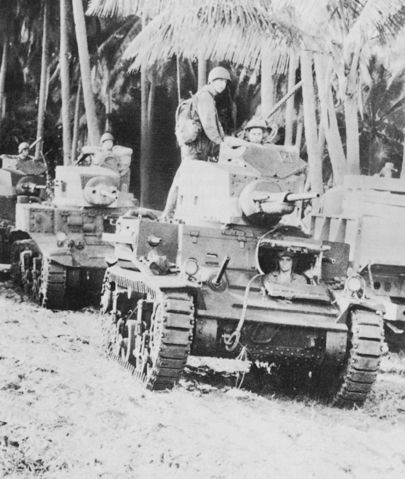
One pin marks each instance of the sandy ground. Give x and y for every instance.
(65, 411)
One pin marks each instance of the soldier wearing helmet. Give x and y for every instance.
(284, 274)
(211, 135)
(206, 143)
(27, 163)
(257, 131)
(109, 155)
(24, 151)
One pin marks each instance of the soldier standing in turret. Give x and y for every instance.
(209, 134)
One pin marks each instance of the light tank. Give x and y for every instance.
(58, 252)
(368, 212)
(19, 181)
(204, 283)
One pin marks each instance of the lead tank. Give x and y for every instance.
(58, 253)
(204, 283)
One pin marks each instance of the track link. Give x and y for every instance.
(365, 348)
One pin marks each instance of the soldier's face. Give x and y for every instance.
(285, 263)
(219, 85)
(107, 145)
(24, 153)
(255, 135)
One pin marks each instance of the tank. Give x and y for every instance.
(368, 213)
(18, 182)
(205, 283)
(57, 252)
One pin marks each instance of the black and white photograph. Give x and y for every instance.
(202, 239)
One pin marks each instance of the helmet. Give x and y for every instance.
(106, 136)
(256, 123)
(219, 73)
(23, 146)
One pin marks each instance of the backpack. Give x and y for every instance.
(188, 125)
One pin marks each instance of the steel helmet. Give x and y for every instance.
(23, 146)
(219, 73)
(106, 136)
(256, 123)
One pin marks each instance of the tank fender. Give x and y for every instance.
(60, 257)
(371, 306)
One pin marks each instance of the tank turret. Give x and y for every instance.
(246, 186)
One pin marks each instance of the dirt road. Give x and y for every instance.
(66, 412)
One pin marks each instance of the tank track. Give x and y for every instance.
(52, 287)
(365, 349)
(161, 347)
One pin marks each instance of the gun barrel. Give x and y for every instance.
(292, 197)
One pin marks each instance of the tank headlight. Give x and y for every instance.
(354, 284)
(60, 238)
(191, 267)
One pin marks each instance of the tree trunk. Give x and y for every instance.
(352, 135)
(84, 59)
(76, 120)
(65, 83)
(267, 83)
(289, 113)
(202, 71)
(311, 133)
(329, 121)
(3, 72)
(351, 117)
(145, 141)
(43, 85)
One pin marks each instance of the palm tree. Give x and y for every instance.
(89, 102)
(239, 31)
(64, 79)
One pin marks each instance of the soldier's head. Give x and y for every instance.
(218, 77)
(255, 130)
(107, 141)
(285, 261)
(23, 150)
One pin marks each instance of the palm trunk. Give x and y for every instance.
(84, 59)
(351, 117)
(145, 141)
(267, 83)
(3, 73)
(202, 71)
(75, 139)
(289, 113)
(352, 135)
(43, 84)
(329, 121)
(65, 84)
(311, 133)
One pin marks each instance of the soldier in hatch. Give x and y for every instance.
(256, 131)
(285, 271)
(115, 157)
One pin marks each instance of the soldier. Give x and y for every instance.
(27, 163)
(24, 152)
(257, 131)
(208, 135)
(284, 274)
(115, 157)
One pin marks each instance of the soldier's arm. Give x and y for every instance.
(207, 113)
